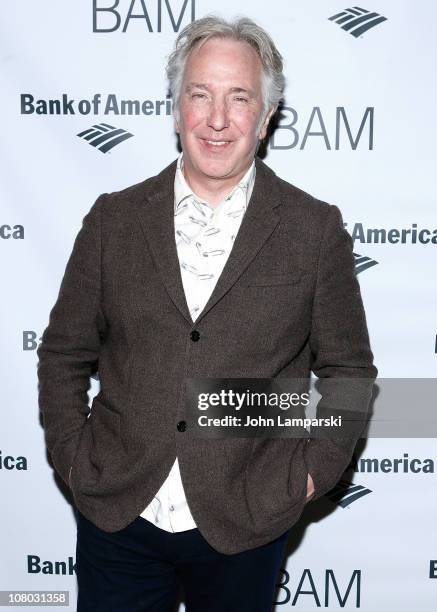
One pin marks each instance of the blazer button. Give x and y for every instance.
(195, 335)
(182, 425)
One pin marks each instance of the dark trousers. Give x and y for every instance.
(142, 568)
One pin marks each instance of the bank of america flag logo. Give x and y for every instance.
(346, 493)
(362, 263)
(104, 136)
(357, 20)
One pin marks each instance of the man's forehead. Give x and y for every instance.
(207, 69)
(216, 49)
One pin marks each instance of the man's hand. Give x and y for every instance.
(310, 487)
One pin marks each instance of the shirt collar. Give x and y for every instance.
(182, 190)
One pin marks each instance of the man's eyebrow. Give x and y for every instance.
(191, 86)
(249, 92)
(204, 87)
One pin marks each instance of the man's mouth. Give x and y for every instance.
(216, 144)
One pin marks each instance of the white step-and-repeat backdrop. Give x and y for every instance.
(84, 110)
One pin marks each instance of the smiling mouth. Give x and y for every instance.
(216, 144)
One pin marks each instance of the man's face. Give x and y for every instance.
(220, 109)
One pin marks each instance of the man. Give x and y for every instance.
(214, 268)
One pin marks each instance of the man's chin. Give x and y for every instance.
(218, 170)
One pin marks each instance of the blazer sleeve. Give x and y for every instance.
(69, 350)
(339, 343)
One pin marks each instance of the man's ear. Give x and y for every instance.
(175, 123)
(265, 123)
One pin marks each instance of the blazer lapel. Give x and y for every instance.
(157, 221)
(156, 217)
(259, 221)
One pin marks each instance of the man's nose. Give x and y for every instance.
(218, 116)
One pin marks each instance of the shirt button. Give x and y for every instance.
(181, 426)
(195, 335)
(171, 508)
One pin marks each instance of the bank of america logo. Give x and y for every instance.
(346, 493)
(104, 136)
(357, 20)
(362, 263)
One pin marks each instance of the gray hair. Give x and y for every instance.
(242, 29)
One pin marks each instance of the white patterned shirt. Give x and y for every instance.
(204, 239)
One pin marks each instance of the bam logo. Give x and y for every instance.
(104, 136)
(357, 20)
(110, 18)
(336, 589)
(337, 134)
(346, 492)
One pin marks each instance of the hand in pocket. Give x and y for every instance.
(310, 487)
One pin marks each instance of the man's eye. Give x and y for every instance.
(239, 99)
(198, 95)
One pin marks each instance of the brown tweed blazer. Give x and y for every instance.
(287, 302)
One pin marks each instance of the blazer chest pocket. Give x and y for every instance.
(274, 280)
